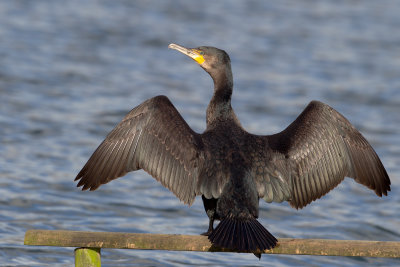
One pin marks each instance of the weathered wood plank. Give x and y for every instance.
(326, 247)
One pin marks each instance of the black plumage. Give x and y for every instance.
(231, 168)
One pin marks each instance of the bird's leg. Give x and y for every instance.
(210, 205)
(210, 227)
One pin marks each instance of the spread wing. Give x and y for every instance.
(313, 155)
(153, 137)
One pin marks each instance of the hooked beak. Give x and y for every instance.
(190, 52)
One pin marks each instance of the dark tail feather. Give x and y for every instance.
(242, 235)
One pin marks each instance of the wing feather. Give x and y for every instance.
(153, 137)
(314, 154)
(269, 196)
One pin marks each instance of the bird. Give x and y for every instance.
(230, 168)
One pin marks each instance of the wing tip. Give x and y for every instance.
(383, 189)
(83, 183)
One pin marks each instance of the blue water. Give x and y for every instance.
(70, 70)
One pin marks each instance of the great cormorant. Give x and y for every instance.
(230, 168)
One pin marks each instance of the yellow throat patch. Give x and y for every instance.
(199, 59)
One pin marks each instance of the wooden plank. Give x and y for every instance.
(325, 247)
(87, 257)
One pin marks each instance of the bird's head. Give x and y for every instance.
(211, 59)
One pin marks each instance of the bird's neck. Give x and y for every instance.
(220, 108)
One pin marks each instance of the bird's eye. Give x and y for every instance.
(201, 53)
